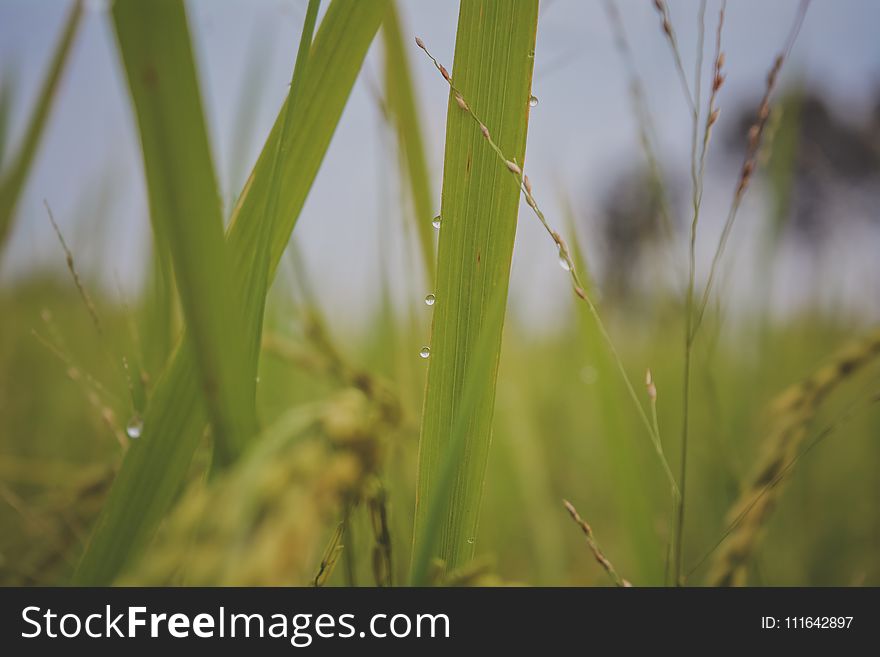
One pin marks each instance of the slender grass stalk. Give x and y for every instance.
(74, 274)
(694, 313)
(15, 175)
(666, 24)
(750, 162)
(105, 403)
(696, 198)
(601, 559)
(713, 111)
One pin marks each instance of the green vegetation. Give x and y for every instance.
(219, 429)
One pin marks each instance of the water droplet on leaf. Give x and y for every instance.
(533, 101)
(430, 299)
(563, 262)
(436, 222)
(135, 427)
(425, 352)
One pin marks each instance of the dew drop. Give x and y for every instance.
(533, 101)
(470, 540)
(425, 352)
(436, 222)
(563, 262)
(135, 427)
(430, 299)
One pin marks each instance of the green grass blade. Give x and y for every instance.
(494, 56)
(155, 465)
(340, 45)
(185, 208)
(401, 98)
(15, 177)
(255, 283)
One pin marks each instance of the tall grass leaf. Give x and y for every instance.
(185, 208)
(155, 465)
(15, 176)
(494, 56)
(255, 283)
(401, 98)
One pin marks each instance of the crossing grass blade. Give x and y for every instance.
(401, 98)
(494, 57)
(155, 465)
(15, 176)
(154, 43)
(255, 284)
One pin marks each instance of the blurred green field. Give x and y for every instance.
(553, 439)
